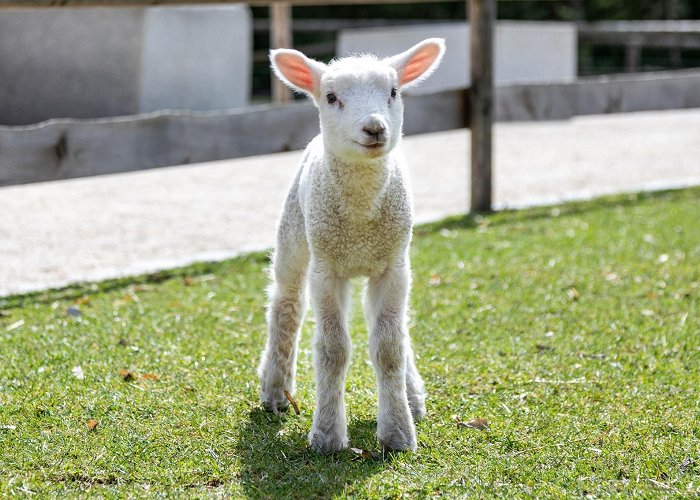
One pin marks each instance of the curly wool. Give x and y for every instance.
(348, 213)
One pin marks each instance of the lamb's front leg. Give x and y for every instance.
(285, 311)
(385, 308)
(332, 349)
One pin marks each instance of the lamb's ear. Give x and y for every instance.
(418, 62)
(298, 71)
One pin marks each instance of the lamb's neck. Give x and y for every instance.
(361, 184)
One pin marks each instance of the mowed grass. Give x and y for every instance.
(572, 331)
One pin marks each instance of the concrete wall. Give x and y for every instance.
(525, 52)
(100, 62)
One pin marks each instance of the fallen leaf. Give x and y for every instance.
(77, 372)
(600, 438)
(129, 297)
(480, 424)
(187, 281)
(360, 453)
(126, 375)
(292, 402)
(573, 294)
(92, 424)
(150, 376)
(82, 300)
(365, 454)
(435, 280)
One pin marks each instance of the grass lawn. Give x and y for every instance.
(573, 331)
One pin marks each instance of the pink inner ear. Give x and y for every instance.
(296, 71)
(419, 63)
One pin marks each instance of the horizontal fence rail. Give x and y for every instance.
(653, 34)
(62, 149)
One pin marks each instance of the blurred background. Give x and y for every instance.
(615, 48)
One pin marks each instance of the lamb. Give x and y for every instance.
(348, 213)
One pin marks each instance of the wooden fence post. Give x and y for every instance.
(280, 37)
(482, 15)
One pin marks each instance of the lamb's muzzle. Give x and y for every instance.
(348, 213)
(375, 127)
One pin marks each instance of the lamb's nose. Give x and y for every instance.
(374, 128)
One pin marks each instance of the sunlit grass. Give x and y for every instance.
(573, 331)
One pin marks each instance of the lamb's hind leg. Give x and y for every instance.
(285, 312)
(415, 390)
(385, 309)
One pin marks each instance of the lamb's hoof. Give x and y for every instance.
(417, 406)
(327, 443)
(275, 407)
(396, 439)
(275, 402)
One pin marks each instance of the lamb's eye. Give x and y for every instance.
(393, 92)
(331, 97)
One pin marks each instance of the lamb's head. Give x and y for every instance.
(359, 97)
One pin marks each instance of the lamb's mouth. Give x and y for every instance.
(373, 145)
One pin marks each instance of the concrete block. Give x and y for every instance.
(201, 55)
(525, 52)
(102, 62)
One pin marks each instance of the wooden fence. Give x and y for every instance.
(633, 36)
(636, 35)
(65, 148)
(281, 29)
(69, 148)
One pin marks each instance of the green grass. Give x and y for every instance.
(573, 331)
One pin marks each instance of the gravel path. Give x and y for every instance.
(52, 234)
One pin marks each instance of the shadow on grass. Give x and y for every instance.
(276, 461)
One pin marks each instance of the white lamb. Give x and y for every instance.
(348, 213)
